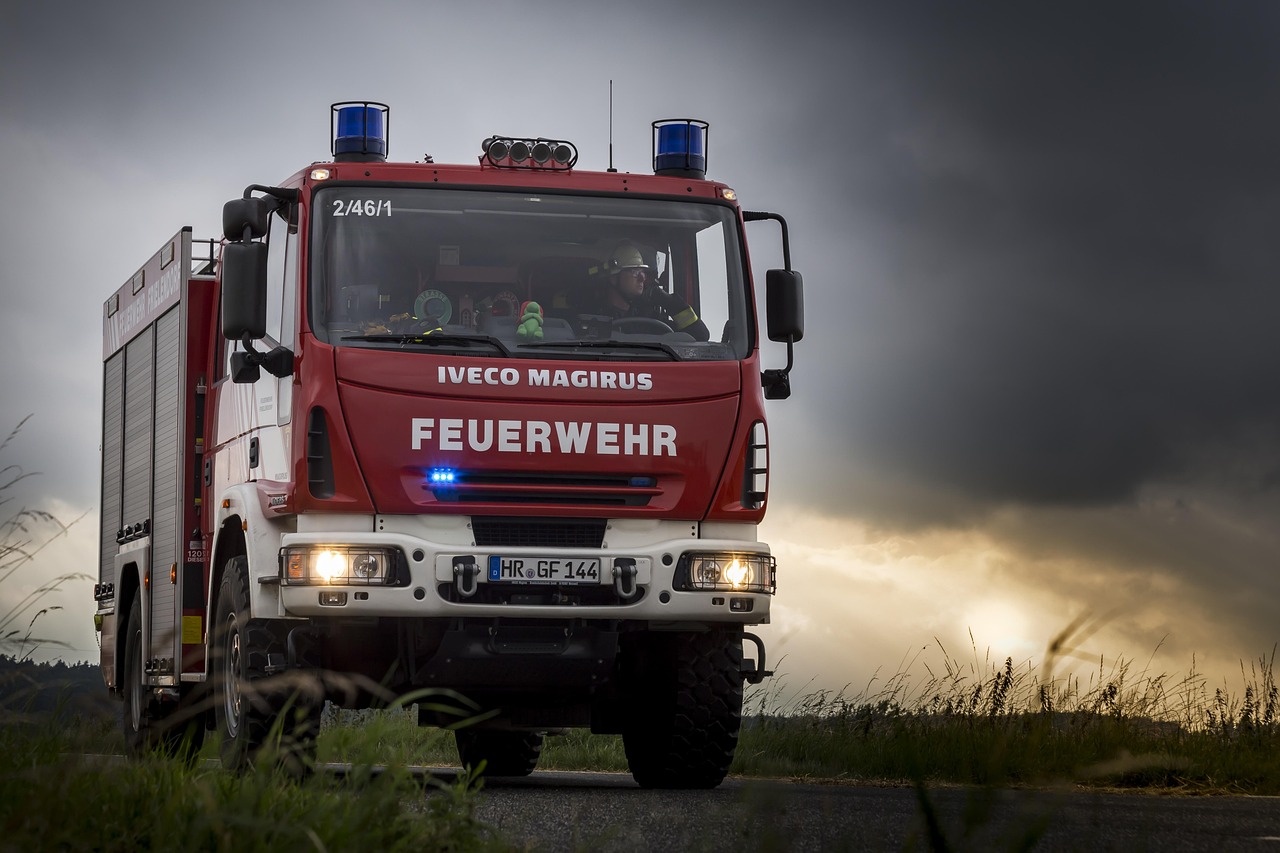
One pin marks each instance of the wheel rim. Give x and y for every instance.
(135, 684)
(231, 677)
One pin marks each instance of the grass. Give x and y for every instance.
(24, 533)
(1001, 724)
(987, 724)
(54, 797)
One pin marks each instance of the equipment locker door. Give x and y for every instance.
(167, 542)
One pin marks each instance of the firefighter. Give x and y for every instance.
(633, 291)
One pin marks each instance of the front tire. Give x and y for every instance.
(504, 753)
(685, 707)
(259, 715)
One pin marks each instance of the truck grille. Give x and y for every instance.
(538, 532)
(552, 487)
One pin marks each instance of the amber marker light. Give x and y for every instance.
(296, 566)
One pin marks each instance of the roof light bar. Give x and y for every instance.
(510, 152)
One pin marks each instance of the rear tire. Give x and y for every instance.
(174, 729)
(504, 753)
(685, 707)
(261, 717)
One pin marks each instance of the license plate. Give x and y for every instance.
(543, 570)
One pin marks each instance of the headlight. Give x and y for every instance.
(725, 572)
(337, 564)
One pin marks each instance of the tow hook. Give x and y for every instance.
(466, 576)
(624, 576)
(753, 670)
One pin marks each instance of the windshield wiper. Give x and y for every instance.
(432, 340)
(608, 344)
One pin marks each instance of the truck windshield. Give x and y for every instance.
(615, 278)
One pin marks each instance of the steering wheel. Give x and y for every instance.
(642, 326)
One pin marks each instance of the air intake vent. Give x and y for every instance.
(319, 456)
(538, 532)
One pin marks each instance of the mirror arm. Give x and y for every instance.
(287, 196)
(758, 215)
(279, 196)
(278, 361)
(777, 383)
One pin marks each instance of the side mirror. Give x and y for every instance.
(253, 214)
(784, 305)
(244, 290)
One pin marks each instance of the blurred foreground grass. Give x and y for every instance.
(988, 724)
(54, 796)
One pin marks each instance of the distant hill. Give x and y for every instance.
(42, 690)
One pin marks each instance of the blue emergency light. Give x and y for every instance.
(679, 147)
(442, 476)
(359, 131)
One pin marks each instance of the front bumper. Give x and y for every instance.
(442, 573)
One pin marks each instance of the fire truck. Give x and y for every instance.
(490, 436)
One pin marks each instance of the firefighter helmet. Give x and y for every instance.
(625, 256)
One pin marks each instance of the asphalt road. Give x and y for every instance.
(556, 811)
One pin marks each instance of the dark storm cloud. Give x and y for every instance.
(1037, 239)
(1060, 228)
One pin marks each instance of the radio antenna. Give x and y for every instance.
(611, 169)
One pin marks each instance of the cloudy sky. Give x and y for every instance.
(1039, 378)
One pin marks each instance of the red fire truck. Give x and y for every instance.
(491, 436)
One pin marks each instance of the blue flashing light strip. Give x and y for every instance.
(442, 476)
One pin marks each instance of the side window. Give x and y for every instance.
(713, 277)
(289, 310)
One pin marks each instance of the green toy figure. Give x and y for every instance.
(530, 327)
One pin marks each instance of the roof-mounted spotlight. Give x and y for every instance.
(497, 149)
(680, 147)
(506, 152)
(358, 131)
